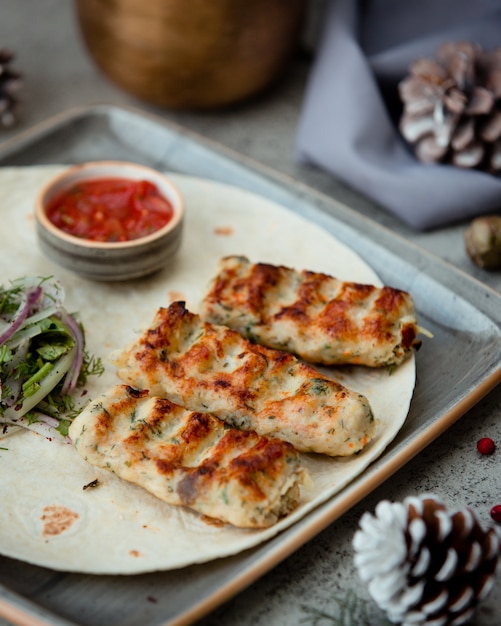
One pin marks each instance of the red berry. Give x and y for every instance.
(496, 513)
(486, 445)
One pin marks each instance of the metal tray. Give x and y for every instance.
(463, 314)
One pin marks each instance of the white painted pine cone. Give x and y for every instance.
(425, 566)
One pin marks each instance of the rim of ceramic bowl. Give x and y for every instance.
(101, 169)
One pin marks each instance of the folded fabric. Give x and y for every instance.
(349, 121)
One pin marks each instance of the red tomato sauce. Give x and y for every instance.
(110, 209)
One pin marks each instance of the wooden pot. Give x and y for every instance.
(191, 53)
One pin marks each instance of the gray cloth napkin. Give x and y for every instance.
(349, 120)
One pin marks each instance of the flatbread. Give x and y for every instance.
(47, 517)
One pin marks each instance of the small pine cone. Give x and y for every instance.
(10, 83)
(423, 565)
(452, 107)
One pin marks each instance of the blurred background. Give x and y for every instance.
(58, 73)
(61, 51)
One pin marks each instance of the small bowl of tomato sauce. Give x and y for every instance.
(110, 220)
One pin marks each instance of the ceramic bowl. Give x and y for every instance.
(112, 261)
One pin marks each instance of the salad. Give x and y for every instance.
(42, 358)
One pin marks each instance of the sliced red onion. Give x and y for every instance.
(13, 413)
(71, 378)
(31, 297)
(54, 294)
(44, 425)
(36, 300)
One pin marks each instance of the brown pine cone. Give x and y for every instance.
(452, 107)
(424, 565)
(10, 83)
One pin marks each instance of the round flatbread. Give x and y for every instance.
(48, 517)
